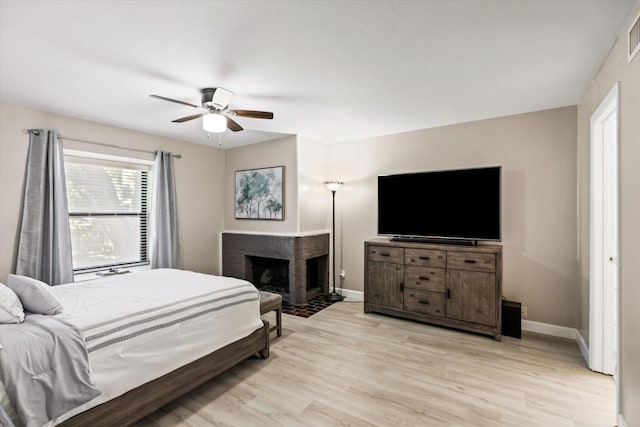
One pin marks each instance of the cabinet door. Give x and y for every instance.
(471, 296)
(384, 283)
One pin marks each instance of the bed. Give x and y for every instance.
(151, 336)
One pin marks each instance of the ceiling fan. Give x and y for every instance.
(215, 111)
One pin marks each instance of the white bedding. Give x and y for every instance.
(136, 332)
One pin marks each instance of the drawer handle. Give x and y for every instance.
(426, 258)
(424, 301)
(469, 261)
(449, 293)
(424, 278)
(385, 254)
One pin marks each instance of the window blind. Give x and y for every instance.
(108, 212)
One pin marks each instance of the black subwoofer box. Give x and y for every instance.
(511, 323)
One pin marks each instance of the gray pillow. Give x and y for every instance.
(36, 296)
(11, 310)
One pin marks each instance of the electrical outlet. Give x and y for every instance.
(523, 311)
(342, 274)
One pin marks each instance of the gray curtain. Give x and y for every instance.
(165, 235)
(44, 246)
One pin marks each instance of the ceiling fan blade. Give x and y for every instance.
(233, 125)
(186, 119)
(174, 100)
(252, 114)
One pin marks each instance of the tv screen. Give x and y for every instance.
(451, 204)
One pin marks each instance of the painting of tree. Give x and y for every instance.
(259, 194)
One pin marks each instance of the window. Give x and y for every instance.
(108, 211)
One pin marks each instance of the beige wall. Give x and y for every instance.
(314, 198)
(199, 180)
(614, 69)
(537, 152)
(278, 152)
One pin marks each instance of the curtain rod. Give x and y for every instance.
(104, 144)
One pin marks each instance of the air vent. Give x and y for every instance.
(634, 39)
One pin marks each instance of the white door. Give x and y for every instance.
(603, 342)
(610, 241)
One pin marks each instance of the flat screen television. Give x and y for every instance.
(460, 206)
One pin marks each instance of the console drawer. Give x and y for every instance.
(386, 254)
(424, 302)
(471, 261)
(425, 278)
(425, 257)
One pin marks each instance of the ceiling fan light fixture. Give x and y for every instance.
(214, 122)
(215, 111)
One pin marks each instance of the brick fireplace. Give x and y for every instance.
(296, 266)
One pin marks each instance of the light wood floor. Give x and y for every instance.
(342, 367)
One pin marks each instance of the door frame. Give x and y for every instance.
(599, 313)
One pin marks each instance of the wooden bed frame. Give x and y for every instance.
(148, 398)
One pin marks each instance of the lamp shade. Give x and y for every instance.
(214, 122)
(333, 185)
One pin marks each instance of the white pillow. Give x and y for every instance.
(36, 296)
(11, 310)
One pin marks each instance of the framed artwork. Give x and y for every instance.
(259, 194)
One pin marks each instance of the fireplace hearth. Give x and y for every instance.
(297, 267)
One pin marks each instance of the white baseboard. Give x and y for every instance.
(357, 296)
(621, 421)
(549, 329)
(583, 346)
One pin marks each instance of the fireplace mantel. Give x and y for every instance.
(239, 248)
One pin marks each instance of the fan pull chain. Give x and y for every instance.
(219, 138)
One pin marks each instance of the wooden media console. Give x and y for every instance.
(448, 285)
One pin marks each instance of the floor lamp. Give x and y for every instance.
(333, 187)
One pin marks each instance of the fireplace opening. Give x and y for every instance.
(312, 274)
(269, 274)
(316, 274)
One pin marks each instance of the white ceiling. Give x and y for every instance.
(329, 70)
